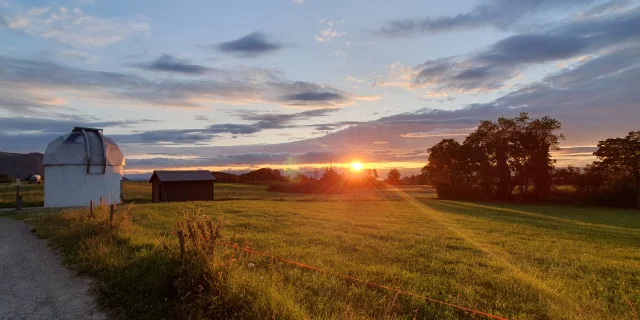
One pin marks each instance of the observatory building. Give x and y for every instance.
(82, 166)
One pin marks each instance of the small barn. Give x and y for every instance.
(81, 166)
(185, 185)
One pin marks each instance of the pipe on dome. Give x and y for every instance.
(104, 151)
(88, 148)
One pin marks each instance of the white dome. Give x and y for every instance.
(83, 146)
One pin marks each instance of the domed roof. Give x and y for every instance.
(83, 146)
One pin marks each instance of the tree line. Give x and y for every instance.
(511, 159)
(612, 180)
(331, 181)
(259, 175)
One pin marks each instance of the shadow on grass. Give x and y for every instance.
(626, 218)
(588, 230)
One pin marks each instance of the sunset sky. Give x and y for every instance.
(305, 83)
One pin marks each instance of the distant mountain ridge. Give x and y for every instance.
(21, 165)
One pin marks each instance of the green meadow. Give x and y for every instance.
(515, 261)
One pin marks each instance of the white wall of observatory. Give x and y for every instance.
(71, 186)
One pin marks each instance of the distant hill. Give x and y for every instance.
(21, 165)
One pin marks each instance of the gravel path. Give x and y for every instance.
(33, 282)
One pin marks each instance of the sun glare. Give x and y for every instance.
(356, 165)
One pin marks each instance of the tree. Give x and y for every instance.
(495, 158)
(393, 177)
(263, 174)
(370, 174)
(300, 178)
(538, 141)
(586, 181)
(443, 168)
(489, 158)
(330, 176)
(622, 155)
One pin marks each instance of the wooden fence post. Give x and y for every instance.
(181, 239)
(91, 208)
(18, 196)
(101, 201)
(113, 208)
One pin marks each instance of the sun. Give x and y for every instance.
(356, 165)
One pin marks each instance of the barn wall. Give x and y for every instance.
(71, 186)
(188, 191)
(155, 191)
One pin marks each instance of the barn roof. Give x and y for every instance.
(182, 175)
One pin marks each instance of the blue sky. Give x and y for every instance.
(243, 84)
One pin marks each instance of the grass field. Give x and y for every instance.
(32, 195)
(516, 261)
(140, 192)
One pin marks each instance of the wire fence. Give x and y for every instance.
(344, 276)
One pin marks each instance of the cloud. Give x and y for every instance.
(599, 94)
(48, 125)
(277, 119)
(80, 55)
(18, 102)
(438, 133)
(242, 159)
(569, 150)
(304, 97)
(491, 68)
(307, 94)
(249, 46)
(298, 1)
(416, 152)
(330, 32)
(28, 134)
(261, 122)
(169, 63)
(596, 89)
(73, 27)
(141, 54)
(165, 137)
(237, 85)
(612, 6)
(340, 53)
(499, 14)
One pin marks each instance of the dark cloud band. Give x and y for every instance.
(251, 45)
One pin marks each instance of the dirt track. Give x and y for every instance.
(33, 282)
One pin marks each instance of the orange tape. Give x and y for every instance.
(299, 264)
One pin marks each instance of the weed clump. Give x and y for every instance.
(216, 281)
